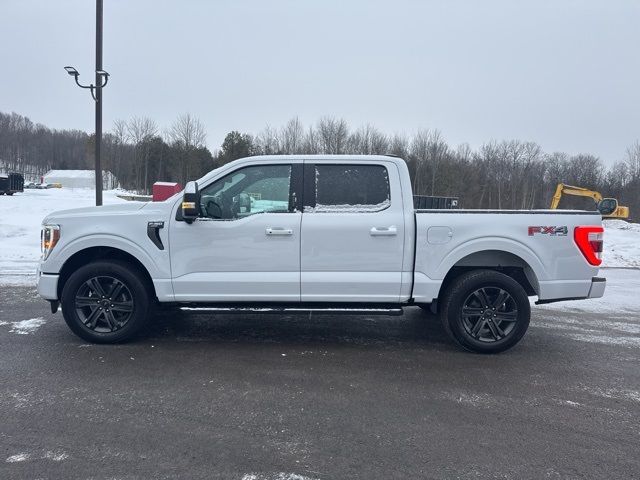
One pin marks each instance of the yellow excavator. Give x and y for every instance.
(608, 207)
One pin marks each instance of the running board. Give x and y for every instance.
(392, 311)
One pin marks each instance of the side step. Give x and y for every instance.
(394, 310)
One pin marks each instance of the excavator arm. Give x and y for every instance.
(608, 207)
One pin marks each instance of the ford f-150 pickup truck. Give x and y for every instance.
(315, 233)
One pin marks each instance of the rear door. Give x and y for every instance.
(352, 232)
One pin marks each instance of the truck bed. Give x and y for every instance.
(550, 258)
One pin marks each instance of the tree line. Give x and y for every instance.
(509, 174)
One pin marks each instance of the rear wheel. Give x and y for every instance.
(485, 311)
(105, 302)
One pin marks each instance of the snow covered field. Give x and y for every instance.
(21, 215)
(622, 244)
(20, 219)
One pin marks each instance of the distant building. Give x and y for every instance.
(80, 178)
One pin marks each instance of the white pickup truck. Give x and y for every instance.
(315, 233)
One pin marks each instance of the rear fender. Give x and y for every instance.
(470, 247)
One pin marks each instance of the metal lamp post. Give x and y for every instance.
(101, 80)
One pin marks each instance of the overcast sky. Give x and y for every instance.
(565, 74)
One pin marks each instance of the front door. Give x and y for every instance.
(352, 233)
(246, 244)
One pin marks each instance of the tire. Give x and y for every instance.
(485, 311)
(122, 302)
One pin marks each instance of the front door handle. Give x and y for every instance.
(271, 231)
(383, 231)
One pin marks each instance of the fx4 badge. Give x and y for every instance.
(553, 231)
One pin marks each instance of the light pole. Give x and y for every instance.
(102, 78)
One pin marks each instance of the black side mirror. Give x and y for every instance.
(191, 202)
(607, 206)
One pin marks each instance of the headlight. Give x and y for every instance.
(49, 238)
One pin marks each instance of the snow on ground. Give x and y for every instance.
(25, 327)
(20, 219)
(275, 476)
(610, 320)
(621, 244)
(48, 455)
(620, 297)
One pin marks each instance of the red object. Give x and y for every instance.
(589, 241)
(164, 190)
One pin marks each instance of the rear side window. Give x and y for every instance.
(348, 188)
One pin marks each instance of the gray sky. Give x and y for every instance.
(562, 73)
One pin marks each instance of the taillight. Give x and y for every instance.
(589, 241)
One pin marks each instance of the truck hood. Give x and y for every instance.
(119, 209)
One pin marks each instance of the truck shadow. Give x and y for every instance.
(413, 328)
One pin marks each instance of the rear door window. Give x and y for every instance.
(346, 188)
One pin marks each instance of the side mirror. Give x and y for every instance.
(607, 206)
(191, 202)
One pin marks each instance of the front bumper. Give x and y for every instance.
(48, 285)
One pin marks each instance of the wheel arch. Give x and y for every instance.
(501, 261)
(92, 254)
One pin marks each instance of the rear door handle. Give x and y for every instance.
(278, 231)
(383, 231)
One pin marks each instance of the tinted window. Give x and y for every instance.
(247, 191)
(351, 188)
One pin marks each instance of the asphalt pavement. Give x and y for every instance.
(262, 397)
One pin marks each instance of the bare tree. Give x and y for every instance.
(428, 151)
(140, 130)
(311, 142)
(368, 140)
(333, 135)
(267, 142)
(504, 174)
(292, 137)
(188, 133)
(399, 146)
(633, 161)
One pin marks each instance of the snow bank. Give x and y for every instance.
(621, 244)
(20, 219)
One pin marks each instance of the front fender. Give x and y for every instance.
(157, 267)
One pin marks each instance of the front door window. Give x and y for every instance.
(248, 191)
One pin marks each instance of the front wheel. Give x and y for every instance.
(105, 302)
(485, 311)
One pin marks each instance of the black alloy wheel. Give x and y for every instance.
(489, 314)
(106, 301)
(485, 311)
(104, 304)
